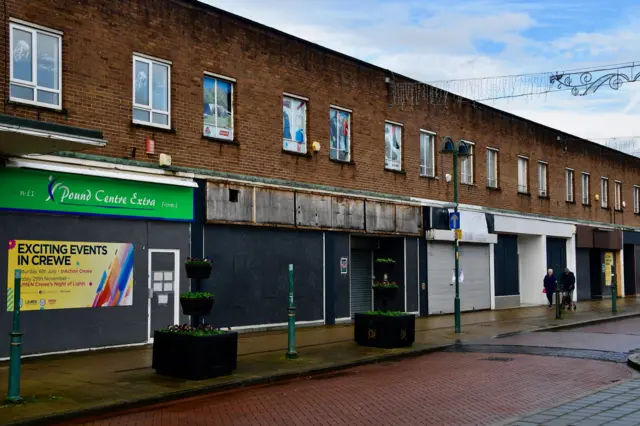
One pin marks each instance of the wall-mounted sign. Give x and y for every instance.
(34, 190)
(344, 263)
(608, 264)
(64, 275)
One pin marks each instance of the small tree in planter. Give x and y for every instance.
(385, 329)
(194, 353)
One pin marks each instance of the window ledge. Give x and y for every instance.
(467, 184)
(619, 210)
(51, 109)
(343, 162)
(569, 202)
(606, 208)
(544, 197)
(494, 188)
(401, 172)
(586, 204)
(524, 194)
(636, 213)
(152, 127)
(221, 141)
(297, 154)
(430, 177)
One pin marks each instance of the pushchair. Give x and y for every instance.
(567, 301)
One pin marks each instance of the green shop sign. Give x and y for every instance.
(33, 190)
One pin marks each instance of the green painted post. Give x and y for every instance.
(614, 292)
(291, 351)
(13, 396)
(558, 311)
(456, 305)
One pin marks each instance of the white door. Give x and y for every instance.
(164, 289)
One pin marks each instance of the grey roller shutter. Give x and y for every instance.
(475, 291)
(440, 264)
(361, 273)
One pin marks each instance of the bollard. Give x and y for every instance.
(13, 396)
(291, 351)
(558, 310)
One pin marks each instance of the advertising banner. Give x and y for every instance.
(34, 190)
(65, 275)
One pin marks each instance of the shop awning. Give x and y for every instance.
(19, 136)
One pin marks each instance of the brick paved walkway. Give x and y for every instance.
(616, 406)
(439, 389)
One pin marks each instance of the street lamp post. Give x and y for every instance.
(459, 149)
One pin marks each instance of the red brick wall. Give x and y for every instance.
(101, 35)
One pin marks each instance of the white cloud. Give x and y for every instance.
(438, 41)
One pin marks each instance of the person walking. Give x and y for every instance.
(550, 284)
(568, 284)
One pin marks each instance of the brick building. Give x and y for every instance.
(282, 151)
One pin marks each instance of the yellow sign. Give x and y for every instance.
(608, 263)
(458, 233)
(63, 275)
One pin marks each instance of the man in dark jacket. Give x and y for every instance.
(550, 283)
(568, 284)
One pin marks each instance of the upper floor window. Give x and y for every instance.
(427, 154)
(218, 106)
(586, 198)
(542, 179)
(35, 66)
(467, 165)
(339, 134)
(604, 188)
(392, 145)
(294, 123)
(523, 175)
(151, 94)
(570, 184)
(617, 201)
(636, 200)
(492, 168)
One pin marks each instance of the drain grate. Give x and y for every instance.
(497, 358)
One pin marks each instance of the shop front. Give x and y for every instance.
(100, 253)
(599, 262)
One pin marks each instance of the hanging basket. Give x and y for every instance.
(198, 307)
(198, 270)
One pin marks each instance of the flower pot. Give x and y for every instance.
(198, 307)
(198, 270)
(194, 357)
(383, 331)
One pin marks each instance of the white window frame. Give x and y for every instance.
(387, 166)
(232, 81)
(470, 159)
(543, 190)
(570, 185)
(34, 30)
(150, 61)
(432, 154)
(604, 189)
(492, 168)
(586, 196)
(523, 187)
(617, 195)
(338, 150)
(636, 199)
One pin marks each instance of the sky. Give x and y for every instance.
(437, 40)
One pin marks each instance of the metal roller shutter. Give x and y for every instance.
(361, 273)
(475, 290)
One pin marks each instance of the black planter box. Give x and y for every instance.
(200, 271)
(383, 331)
(196, 307)
(194, 357)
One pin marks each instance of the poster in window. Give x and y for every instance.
(294, 121)
(218, 104)
(339, 125)
(393, 146)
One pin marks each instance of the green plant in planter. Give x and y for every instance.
(385, 285)
(189, 330)
(197, 295)
(386, 313)
(198, 268)
(385, 260)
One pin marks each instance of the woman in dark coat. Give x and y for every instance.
(550, 284)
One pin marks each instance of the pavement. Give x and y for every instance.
(76, 385)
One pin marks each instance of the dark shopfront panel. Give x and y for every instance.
(68, 329)
(250, 274)
(631, 262)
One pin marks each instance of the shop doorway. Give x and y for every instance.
(164, 287)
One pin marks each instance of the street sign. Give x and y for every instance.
(458, 233)
(454, 220)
